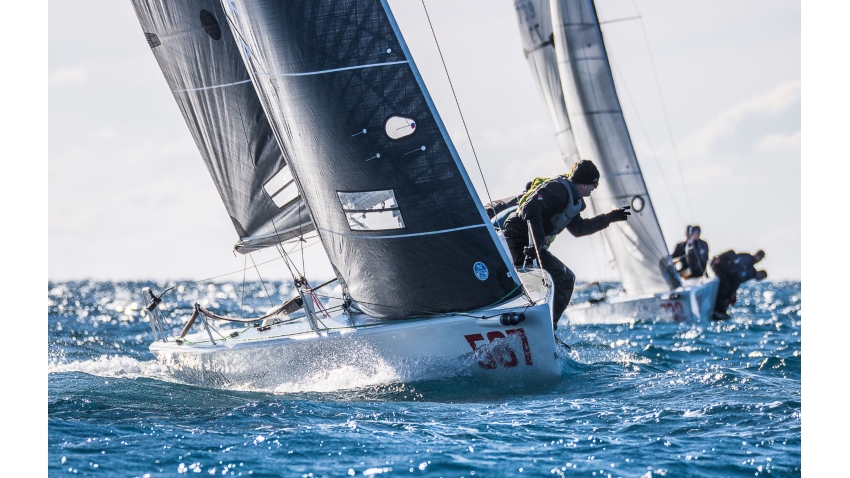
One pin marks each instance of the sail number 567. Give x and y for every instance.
(501, 353)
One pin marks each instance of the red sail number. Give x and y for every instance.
(501, 353)
(675, 309)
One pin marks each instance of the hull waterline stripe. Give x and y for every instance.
(357, 67)
(402, 235)
(213, 87)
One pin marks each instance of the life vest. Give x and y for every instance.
(558, 221)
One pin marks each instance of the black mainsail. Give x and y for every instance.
(395, 210)
(201, 63)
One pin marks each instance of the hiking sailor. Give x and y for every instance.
(552, 205)
(499, 209)
(691, 255)
(733, 269)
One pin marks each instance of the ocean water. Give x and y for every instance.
(642, 400)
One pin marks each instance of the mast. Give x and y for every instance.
(201, 63)
(601, 136)
(394, 208)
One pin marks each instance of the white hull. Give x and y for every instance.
(692, 303)
(289, 354)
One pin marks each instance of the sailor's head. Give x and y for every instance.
(695, 232)
(759, 255)
(585, 176)
(761, 275)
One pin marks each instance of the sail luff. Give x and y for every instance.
(357, 124)
(439, 121)
(602, 136)
(535, 27)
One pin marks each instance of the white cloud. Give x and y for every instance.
(772, 102)
(777, 143)
(68, 77)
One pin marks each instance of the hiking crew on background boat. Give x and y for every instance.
(733, 269)
(552, 205)
(691, 255)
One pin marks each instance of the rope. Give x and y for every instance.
(260, 264)
(489, 198)
(261, 280)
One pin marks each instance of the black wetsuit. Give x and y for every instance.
(732, 269)
(499, 205)
(694, 254)
(549, 202)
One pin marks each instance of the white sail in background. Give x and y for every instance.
(535, 30)
(601, 136)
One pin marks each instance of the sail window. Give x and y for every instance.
(637, 204)
(210, 25)
(371, 210)
(398, 127)
(281, 187)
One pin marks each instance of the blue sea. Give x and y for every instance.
(642, 400)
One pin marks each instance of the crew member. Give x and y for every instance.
(733, 269)
(691, 255)
(499, 205)
(551, 206)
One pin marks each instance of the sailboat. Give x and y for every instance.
(312, 116)
(563, 44)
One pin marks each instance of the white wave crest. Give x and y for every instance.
(113, 366)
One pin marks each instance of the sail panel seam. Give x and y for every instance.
(403, 235)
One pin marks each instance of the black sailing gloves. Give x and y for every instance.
(620, 214)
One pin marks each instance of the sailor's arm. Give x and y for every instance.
(580, 226)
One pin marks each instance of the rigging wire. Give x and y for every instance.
(615, 71)
(664, 110)
(260, 264)
(489, 198)
(261, 280)
(242, 303)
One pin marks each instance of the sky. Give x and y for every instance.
(711, 92)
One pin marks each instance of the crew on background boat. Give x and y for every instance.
(733, 269)
(691, 255)
(551, 205)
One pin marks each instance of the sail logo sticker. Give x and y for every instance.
(480, 271)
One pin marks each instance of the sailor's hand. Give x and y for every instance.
(620, 214)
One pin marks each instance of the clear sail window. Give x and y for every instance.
(398, 127)
(637, 204)
(281, 187)
(371, 210)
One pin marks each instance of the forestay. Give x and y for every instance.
(600, 132)
(394, 208)
(200, 60)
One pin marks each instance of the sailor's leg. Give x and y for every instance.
(563, 280)
(724, 294)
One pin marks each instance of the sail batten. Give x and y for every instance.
(202, 66)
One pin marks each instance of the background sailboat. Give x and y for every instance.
(424, 277)
(595, 121)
